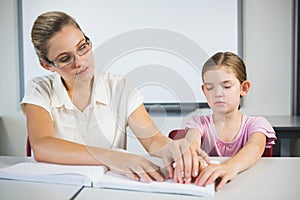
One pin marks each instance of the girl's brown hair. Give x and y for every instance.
(230, 60)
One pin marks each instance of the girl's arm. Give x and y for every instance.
(183, 153)
(47, 148)
(244, 159)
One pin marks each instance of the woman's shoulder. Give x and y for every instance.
(112, 81)
(45, 81)
(109, 77)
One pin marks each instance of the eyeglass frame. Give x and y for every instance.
(72, 54)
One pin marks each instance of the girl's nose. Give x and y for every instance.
(219, 91)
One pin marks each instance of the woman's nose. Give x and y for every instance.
(78, 60)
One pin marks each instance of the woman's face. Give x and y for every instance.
(70, 41)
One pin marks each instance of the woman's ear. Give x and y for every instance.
(245, 88)
(202, 87)
(47, 66)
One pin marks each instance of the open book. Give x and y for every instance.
(95, 176)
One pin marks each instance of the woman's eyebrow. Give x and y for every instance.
(80, 42)
(66, 52)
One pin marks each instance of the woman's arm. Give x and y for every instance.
(181, 152)
(47, 148)
(244, 159)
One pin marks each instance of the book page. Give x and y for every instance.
(53, 173)
(116, 181)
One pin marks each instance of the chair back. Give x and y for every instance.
(28, 148)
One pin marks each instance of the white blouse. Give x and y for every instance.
(102, 124)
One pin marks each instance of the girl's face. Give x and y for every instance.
(223, 90)
(67, 43)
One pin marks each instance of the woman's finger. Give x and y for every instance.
(204, 155)
(168, 165)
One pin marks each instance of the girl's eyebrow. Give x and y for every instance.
(224, 82)
(230, 82)
(227, 81)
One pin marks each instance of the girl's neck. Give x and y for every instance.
(227, 125)
(225, 118)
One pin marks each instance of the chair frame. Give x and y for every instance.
(28, 148)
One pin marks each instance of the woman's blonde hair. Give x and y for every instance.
(45, 27)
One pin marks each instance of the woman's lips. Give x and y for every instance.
(82, 71)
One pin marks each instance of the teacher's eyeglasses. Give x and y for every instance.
(69, 57)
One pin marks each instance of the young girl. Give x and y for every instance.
(228, 132)
(78, 115)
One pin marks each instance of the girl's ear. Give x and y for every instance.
(47, 66)
(245, 88)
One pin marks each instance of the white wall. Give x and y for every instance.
(267, 53)
(268, 39)
(12, 124)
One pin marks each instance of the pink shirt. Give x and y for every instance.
(214, 146)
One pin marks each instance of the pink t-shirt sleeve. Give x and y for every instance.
(199, 122)
(261, 125)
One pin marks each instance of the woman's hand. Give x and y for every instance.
(183, 153)
(133, 166)
(216, 173)
(182, 160)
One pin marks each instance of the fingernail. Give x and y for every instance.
(188, 180)
(195, 173)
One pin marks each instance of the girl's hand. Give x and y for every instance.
(221, 173)
(185, 156)
(133, 166)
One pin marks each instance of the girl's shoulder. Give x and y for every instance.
(255, 120)
(257, 123)
(201, 120)
(207, 118)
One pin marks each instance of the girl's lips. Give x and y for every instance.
(219, 102)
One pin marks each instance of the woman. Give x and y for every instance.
(79, 116)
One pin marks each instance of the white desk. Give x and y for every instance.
(272, 178)
(12, 190)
